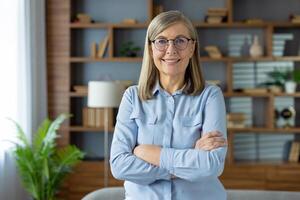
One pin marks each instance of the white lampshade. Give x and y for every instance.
(104, 94)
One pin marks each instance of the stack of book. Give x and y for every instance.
(236, 120)
(216, 15)
(94, 117)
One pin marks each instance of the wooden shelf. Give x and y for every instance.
(249, 59)
(88, 129)
(246, 25)
(114, 59)
(267, 163)
(63, 39)
(208, 59)
(230, 25)
(202, 59)
(76, 94)
(107, 25)
(244, 94)
(295, 130)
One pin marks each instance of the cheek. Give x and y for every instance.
(157, 56)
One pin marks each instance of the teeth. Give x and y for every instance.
(170, 61)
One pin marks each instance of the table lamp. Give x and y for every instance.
(105, 94)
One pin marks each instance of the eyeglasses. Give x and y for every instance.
(180, 43)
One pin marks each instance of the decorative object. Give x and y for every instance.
(287, 79)
(102, 47)
(288, 114)
(256, 49)
(213, 51)
(83, 18)
(274, 89)
(295, 18)
(105, 95)
(42, 166)
(292, 79)
(216, 15)
(128, 49)
(290, 86)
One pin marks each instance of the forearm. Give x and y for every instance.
(126, 166)
(193, 164)
(148, 153)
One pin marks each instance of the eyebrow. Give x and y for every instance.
(177, 36)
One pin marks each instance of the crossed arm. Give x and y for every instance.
(151, 153)
(144, 164)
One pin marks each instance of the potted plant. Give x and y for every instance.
(128, 49)
(285, 79)
(292, 79)
(41, 165)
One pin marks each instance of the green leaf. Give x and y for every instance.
(40, 135)
(42, 167)
(20, 134)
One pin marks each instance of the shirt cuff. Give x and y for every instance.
(163, 174)
(166, 159)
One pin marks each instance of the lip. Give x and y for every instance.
(171, 61)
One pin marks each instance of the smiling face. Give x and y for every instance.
(172, 62)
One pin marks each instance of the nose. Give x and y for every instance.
(171, 49)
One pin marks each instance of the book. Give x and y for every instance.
(85, 116)
(294, 152)
(102, 47)
(94, 50)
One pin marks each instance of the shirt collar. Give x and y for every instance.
(157, 88)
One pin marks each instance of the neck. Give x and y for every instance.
(171, 84)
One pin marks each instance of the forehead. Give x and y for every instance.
(174, 31)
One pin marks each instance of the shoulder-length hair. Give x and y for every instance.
(194, 81)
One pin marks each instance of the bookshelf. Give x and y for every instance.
(69, 64)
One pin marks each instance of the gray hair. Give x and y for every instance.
(194, 81)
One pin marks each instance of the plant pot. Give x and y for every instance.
(290, 87)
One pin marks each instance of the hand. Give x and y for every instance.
(149, 153)
(210, 141)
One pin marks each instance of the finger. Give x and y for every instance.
(210, 145)
(212, 134)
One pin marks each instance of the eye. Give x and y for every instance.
(161, 41)
(180, 40)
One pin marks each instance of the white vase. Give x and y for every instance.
(290, 87)
(256, 48)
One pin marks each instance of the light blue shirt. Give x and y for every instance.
(174, 122)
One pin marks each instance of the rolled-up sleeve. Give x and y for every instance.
(193, 164)
(124, 164)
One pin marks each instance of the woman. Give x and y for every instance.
(169, 140)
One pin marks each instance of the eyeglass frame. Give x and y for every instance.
(173, 40)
